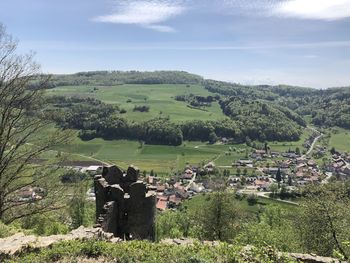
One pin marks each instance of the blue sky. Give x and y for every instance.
(299, 42)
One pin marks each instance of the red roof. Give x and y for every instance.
(162, 205)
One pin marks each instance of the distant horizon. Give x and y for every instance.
(228, 81)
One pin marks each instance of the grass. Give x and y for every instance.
(200, 201)
(340, 140)
(160, 158)
(285, 146)
(160, 98)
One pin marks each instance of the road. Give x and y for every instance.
(266, 195)
(314, 141)
(191, 181)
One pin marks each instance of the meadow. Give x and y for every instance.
(201, 200)
(160, 98)
(160, 158)
(340, 140)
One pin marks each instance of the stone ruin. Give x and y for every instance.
(124, 206)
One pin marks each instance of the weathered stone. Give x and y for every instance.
(141, 216)
(101, 194)
(111, 217)
(138, 190)
(132, 173)
(112, 174)
(123, 206)
(19, 242)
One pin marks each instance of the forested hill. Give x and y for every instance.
(260, 112)
(111, 78)
(327, 107)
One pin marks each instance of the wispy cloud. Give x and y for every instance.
(302, 9)
(148, 14)
(314, 9)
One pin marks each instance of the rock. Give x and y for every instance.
(20, 242)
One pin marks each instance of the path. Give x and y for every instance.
(266, 195)
(314, 141)
(191, 181)
(77, 154)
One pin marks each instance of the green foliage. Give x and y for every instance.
(6, 230)
(252, 199)
(221, 218)
(45, 224)
(325, 209)
(261, 121)
(274, 226)
(142, 251)
(172, 224)
(81, 211)
(111, 78)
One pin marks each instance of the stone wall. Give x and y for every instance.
(124, 206)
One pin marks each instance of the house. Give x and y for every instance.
(247, 163)
(286, 164)
(311, 163)
(160, 188)
(151, 180)
(274, 154)
(162, 205)
(28, 194)
(174, 200)
(210, 167)
(262, 184)
(196, 187)
(258, 154)
(292, 155)
(272, 170)
(92, 170)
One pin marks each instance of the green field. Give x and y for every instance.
(160, 98)
(202, 199)
(340, 140)
(285, 146)
(162, 159)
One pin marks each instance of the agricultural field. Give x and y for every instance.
(285, 146)
(160, 99)
(162, 159)
(340, 140)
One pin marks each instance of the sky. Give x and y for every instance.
(296, 42)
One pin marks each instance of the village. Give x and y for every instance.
(263, 173)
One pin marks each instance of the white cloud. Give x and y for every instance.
(148, 14)
(313, 9)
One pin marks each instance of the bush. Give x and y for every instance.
(252, 199)
(6, 230)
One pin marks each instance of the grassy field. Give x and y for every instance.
(202, 199)
(340, 140)
(160, 98)
(285, 146)
(162, 159)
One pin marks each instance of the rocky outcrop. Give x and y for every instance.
(20, 242)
